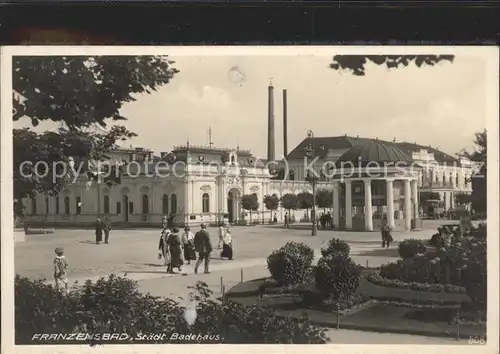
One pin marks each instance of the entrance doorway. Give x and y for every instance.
(233, 205)
(125, 208)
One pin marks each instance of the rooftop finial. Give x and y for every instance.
(210, 142)
(394, 140)
(271, 81)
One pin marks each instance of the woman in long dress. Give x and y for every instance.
(227, 246)
(174, 244)
(188, 244)
(163, 249)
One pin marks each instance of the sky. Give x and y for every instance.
(441, 106)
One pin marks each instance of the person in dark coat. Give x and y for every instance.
(98, 231)
(203, 246)
(174, 245)
(106, 229)
(385, 231)
(170, 222)
(164, 249)
(188, 245)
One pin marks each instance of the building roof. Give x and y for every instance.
(323, 145)
(374, 151)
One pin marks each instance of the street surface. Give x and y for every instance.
(133, 253)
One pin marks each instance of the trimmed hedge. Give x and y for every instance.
(337, 276)
(395, 283)
(115, 305)
(410, 248)
(334, 246)
(291, 264)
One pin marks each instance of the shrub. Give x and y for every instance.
(334, 246)
(436, 240)
(410, 248)
(115, 305)
(337, 275)
(474, 273)
(290, 264)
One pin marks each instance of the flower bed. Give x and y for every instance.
(394, 283)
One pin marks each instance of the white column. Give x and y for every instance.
(414, 193)
(452, 199)
(407, 204)
(348, 205)
(390, 203)
(368, 206)
(335, 204)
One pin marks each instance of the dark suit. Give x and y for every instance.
(203, 246)
(98, 231)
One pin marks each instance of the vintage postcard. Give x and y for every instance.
(328, 198)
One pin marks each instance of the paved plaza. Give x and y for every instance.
(133, 253)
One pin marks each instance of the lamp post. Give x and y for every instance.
(312, 178)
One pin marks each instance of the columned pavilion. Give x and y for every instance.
(374, 181)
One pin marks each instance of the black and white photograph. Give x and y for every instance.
(226, 196)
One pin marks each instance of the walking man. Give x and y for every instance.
(203, 246)
(287, 220)
(106, 229)
(98, 231)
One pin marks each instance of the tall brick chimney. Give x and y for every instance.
(270, 124)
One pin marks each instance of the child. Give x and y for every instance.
(60, 266)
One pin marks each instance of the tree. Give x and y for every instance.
(479, 153)
(289, 202)
(356, 63)
(305, 201)
(426, 197)
(462, 198)
(479, 182)
(81, 93)
(271, 202)
(250, 202)
(324, 198)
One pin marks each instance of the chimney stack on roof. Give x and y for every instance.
(394, 140)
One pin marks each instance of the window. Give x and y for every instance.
(165, 204)
(437, 178)
(291, 175)
(57, 205)
(145, 204)
(46, 205)
(451, 178)
(444, 178)
(66, 205)
(106, 204)
(174, 203)
(456, 179)
(131, 207)
(33, 205)
(205, 202)
(78, 205)
(118, 207)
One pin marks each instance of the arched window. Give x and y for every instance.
(106, 204)
(205, 203)
(174, 204)
(145, 204)
(291, 175)
(33, 205)
(165, 204)
(46, 205)
(66, 205)
(57, 205)
(456, 179)
(444, 178)
(78, 205)
(451, 178)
